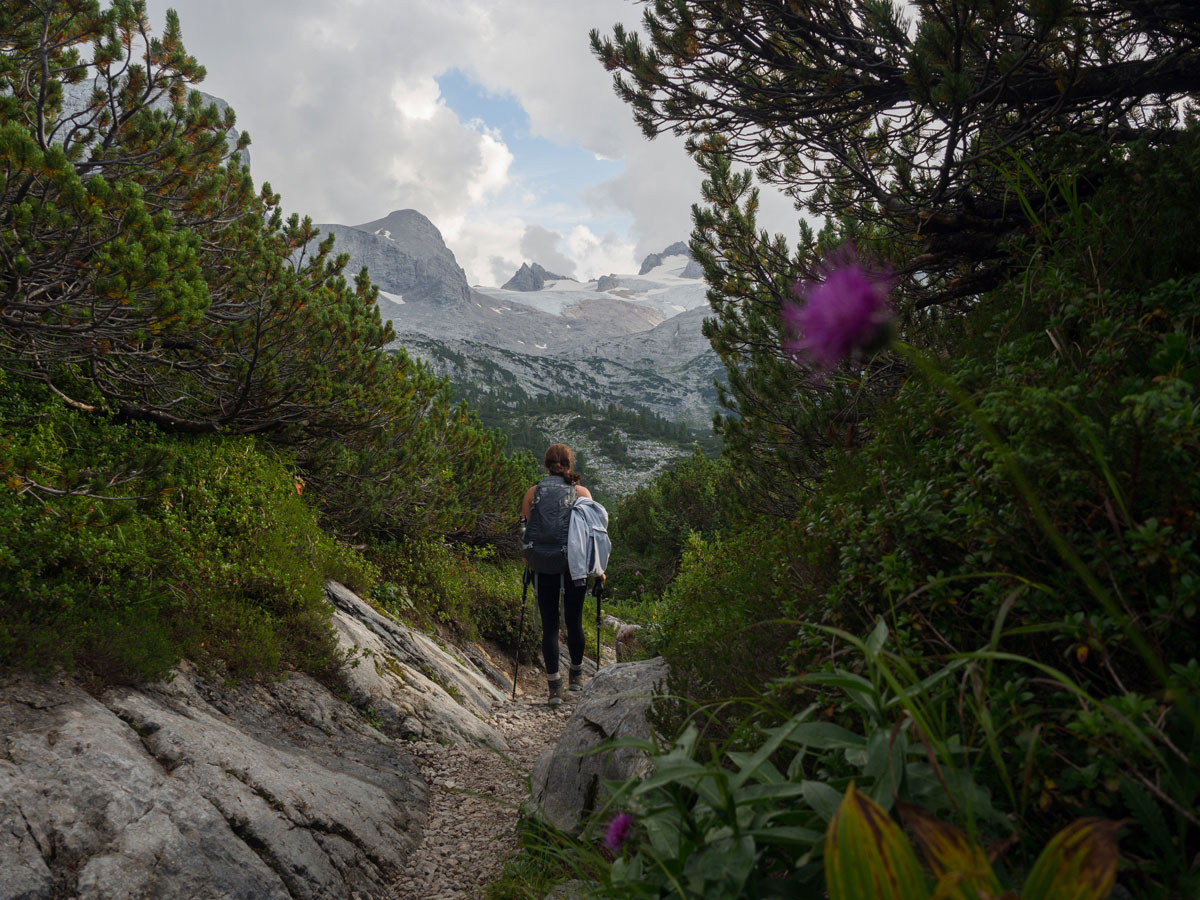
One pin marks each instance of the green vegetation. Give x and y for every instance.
(1067, 614)
(653, 524)
(957, 574)
(471, 592)
(598, 421)
(199, 418)
(123, 549)
(533, 873)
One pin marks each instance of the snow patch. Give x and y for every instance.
(661, 289)
(383, 232)
(395, 298)
(569, 284)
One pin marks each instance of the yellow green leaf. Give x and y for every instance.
(961, 868)
(867, 856)
(1079, 863)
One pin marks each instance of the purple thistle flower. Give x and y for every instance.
(844, 311)
(618, 831)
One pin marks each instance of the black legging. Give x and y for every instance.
(547, 598)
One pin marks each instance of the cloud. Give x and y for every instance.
(540, 245)
(600, 254)
(502, 269)
(417, 99)
(343, 104)
(487, 247)
(658, 187)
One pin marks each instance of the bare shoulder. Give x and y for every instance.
(583, 492)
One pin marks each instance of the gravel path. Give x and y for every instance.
(474, 798)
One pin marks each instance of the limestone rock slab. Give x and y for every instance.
(322, 798)
(89, 813)
(416, 688)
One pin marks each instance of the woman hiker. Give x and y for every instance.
(546, 514)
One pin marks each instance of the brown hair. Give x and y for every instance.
(560, 460)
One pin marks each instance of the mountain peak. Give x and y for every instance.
(531, 277)
(407, 259)
(654, 260)
(409, 227)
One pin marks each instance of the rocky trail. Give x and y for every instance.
(476, 793)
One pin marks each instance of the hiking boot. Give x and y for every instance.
(555, 685)
(575, 682)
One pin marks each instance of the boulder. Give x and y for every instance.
(567, 781)
(482, 660)
(607, 282)
(188, 790)
(415, 688)
(195, 788)
(626, 642)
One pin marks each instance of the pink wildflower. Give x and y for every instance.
(618, 831)
(844, 311)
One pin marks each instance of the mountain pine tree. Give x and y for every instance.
(932, 134)
(911, 116)
(141, 272)
(142, 277)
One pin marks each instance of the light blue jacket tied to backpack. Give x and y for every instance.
(588, 545)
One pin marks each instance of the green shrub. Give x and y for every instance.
(746, 815)
(123, 550)
(650, 527)
(469, 591)
(1073, 588)
(718, 628)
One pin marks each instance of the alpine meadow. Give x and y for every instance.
(928, 593)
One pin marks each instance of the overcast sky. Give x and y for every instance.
(491, 118)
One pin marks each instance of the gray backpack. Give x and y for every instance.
(544, 544)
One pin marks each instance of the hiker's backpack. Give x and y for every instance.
(544, 544)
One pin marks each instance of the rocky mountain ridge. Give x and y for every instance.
(532, 277)
(654, 260)
(630, 339)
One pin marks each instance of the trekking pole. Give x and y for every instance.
(598, 590)
(526, 579)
